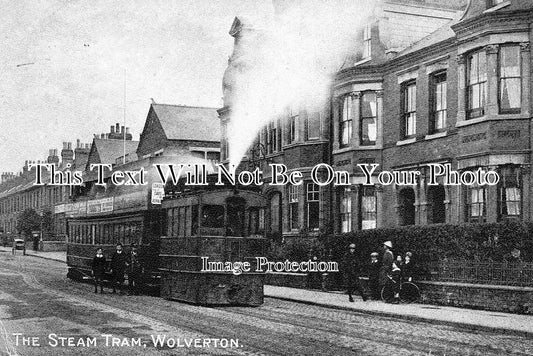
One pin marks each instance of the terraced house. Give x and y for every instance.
(459, 96)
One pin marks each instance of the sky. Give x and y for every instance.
(64, 65)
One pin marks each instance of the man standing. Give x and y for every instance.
(351, 273)
(386, 263)
(134, 271)
(373, 275)
(118, 267)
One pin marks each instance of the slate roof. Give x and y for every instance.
(188, 122)
(109, 150)
(443, 33)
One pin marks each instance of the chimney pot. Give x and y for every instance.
(102, 136)
(127, 130)
(118, 127)
(112, 129)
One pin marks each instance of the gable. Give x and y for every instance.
(153, 137)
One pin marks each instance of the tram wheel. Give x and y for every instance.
(409, 292)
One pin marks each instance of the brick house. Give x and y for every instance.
(459, 96)
(349, 130)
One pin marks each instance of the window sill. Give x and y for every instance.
(436, 135)
(521, 116)
(362, 61)
(302, 143)
(406, 141)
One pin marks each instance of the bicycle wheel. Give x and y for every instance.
(387, 293)
(409, 292)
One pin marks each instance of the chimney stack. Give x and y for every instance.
(67, 155)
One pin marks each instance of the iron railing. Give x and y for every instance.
(495, 273)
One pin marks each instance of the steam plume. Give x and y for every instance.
(291, 62)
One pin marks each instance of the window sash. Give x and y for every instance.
(476, 207)
(367, 41)
(477, 84)
(409, 109)
(440, 104)
(510, 192)
(345, 125)
(313, 192)
(313, 125)
(345, 210)
(368, 131)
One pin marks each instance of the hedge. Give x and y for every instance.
(429, 243)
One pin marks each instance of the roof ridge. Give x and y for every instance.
(187, 106)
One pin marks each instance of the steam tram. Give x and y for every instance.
(222, 224)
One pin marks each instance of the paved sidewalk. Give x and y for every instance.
(60, 256)
(473, 319)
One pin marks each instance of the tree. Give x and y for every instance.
(28, 221)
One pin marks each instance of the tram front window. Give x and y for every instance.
(213, 216)
(235, 216)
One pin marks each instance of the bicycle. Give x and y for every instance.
(409, 292)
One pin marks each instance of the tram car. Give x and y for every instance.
(221, 226)
(88, 233)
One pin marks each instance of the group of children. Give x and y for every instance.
(389, 270)
(121, 263)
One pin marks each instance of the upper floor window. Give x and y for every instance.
(345, 124)
(312, 124)
(367, 41)
(408, 109)
(510, 80)
(293, 125)
(438, 102)
(509, 192)
(477, 84)
(272, 137)
(368, 125)
(313, 206)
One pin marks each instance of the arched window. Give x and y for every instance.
(407, 206)
(436, 208)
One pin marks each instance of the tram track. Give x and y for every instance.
(122, 307)
(277, 327)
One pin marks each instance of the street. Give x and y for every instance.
(44, 313)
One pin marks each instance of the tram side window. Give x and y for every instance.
(170, 226)
(187, 221)
(136, 231)
(93, 233)
(105, 234)
(213, 216)
(194, 220)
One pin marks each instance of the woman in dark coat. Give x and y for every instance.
(99, 266)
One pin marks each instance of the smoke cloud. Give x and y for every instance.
(289, 61)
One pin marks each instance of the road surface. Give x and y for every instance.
(44, 313)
